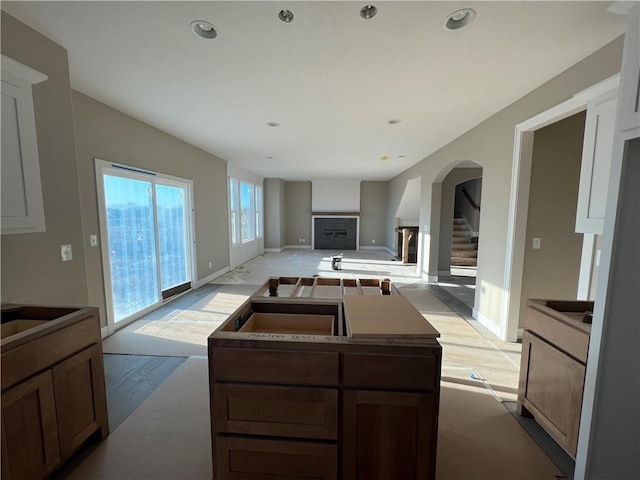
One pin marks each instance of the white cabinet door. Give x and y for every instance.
(630, 82)
(596, 162)
(22, 206)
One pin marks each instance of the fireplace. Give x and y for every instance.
(335, 233)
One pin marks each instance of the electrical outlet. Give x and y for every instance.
(210, 265)
(537, 241)
(66, 253)
(373, 240)
(304, 240)
(93, 240)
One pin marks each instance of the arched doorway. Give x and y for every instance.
(459, 229)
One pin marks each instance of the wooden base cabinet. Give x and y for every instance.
(552, 372)
(53, 391)
(302, 406)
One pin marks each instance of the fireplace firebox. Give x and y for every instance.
(335, 233)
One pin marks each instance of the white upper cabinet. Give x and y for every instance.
(21, 203)
(597, 149)
(630, 82)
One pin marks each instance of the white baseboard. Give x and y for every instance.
(273, 250)
(488, 324)
(302, 247)
(372, 247)
(210, 278)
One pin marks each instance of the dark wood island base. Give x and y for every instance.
(354, 403)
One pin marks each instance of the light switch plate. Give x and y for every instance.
(93, 240)
(537, 241)
(66, 253)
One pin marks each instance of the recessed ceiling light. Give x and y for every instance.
(286, 16)
(384, 157)
(204, 29)
(394, 121)
(368, 11)
(273, 124)
(269, 158)
(460, 18)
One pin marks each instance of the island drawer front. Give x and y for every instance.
(391, 372)
(276, 411)
(274, 366)
(43, 352)
(245, 458)
(571, 340)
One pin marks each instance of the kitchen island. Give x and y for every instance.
(341, 385)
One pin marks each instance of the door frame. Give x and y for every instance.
(127, 171)
(519, 198)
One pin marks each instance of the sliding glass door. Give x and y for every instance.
(146, 230)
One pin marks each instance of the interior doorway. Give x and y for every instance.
(459, 237)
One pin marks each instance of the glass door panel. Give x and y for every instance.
(132, 244)
(173, 238)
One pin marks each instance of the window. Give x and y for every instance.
(233, 209)
(247, 212)
(259, 216)
(246, 215)
(146, 224)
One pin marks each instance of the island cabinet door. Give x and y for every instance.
(389, 435)
(80, 398)
(29, 431)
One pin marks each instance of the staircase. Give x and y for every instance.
(464, 247)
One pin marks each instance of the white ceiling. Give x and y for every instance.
(331, 79)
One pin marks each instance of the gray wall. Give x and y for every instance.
(490, 144)
(32, 271)
(274, 213)
(108, 134)
(552, 271)
(298, 213)
(373, 213)
(455, 177)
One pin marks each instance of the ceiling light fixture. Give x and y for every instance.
(286, 16)
(368, 12)
(460, 18)
(384, 157)
(269, 158)
(273, 124)
(204, 29)
(394, 121)
(402, 156)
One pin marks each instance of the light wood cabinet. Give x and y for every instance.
(555, 344)
(29, 429)
(53, 392)
(597, 149)
(80, 398)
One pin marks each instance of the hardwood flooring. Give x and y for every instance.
(130, 379)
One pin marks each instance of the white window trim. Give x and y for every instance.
(104, 166)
